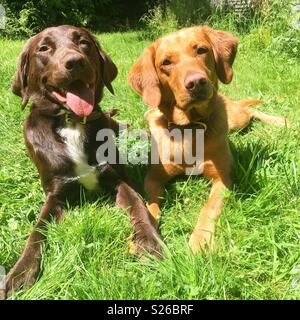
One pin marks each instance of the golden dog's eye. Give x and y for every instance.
(166, 62)
(201, 50)
(44, 48)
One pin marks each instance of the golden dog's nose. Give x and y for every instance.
(195, 81)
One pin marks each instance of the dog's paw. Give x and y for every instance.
(2, 294)
(22, 275)
(282, 122)
(202, 240)
(146, 244)
(133, 249)
(155, 212)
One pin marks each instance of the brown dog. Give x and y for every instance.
(63, 71)
(178, 76)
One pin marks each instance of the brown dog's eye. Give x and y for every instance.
(166, 62)
(44, 48)
(84, 42)
(201, 50)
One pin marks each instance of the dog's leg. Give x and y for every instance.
(155, 191)
(146, 236)
(154, 183)
(219, 171)
(25, 271)
(274, 120)
(203, 234)
(240, 113)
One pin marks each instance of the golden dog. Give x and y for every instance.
(177, 76)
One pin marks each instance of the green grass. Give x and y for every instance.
(257, 240)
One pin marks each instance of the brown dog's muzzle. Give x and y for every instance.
(74, 62)
(68, 67)
(71, 80)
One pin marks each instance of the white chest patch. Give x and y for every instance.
(74, 137)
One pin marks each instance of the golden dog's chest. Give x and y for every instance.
(181, 148)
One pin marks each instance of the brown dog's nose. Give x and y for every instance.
(195, 81)
(73, 62)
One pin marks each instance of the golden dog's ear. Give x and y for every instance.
(224, 47)
(143, 78)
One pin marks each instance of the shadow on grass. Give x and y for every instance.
(249, 159)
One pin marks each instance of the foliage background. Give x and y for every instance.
(25, 18)
(273, 21)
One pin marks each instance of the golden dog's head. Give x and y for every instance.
(179, 72)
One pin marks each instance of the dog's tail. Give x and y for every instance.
(249, 102)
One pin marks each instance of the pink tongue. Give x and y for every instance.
(80, 99)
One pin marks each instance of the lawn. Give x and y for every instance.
(257, 240)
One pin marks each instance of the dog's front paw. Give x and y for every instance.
(147, 243)
(2, 294)
(155, 212)
(202, 240)
(133, 249)
(22, 275)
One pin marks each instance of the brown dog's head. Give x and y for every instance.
(182, 69)
(65, 65)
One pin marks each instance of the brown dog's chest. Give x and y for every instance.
(74, 137)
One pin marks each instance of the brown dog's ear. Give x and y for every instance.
(109, 70)
(20, 82)
(144, 80)
(224, 47)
